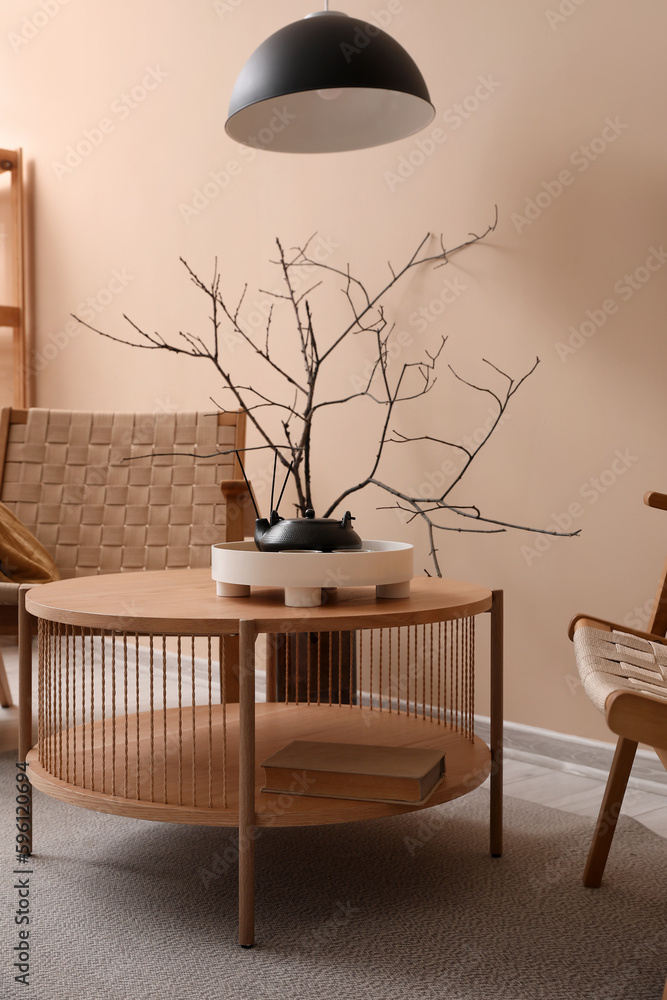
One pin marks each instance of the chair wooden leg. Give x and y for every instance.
(664, 995)
(609, 811)
(5, 693)
(25, 698)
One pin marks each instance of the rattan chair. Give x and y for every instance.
(624, 673)
(121, 492)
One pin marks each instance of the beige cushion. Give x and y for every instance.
(22, 558)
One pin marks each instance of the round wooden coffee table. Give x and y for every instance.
(137, 710)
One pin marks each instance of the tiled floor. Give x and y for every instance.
(550, 781)
(582, 795)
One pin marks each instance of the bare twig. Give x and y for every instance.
(386, 385)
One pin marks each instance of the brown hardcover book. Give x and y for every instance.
(354, 771)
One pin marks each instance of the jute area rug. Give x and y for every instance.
(411, 907)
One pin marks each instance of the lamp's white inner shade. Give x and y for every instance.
(330, 121)
(332, 94)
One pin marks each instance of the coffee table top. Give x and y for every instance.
(184, 602)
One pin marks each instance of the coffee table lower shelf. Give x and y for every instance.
(165, 786)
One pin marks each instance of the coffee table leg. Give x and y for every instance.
(496, 737)
(247, 635)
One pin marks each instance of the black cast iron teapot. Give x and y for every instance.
(323, 534)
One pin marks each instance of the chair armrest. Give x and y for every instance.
(239, 509)
(9, 593)
(232, 487)
(638, 716)
(579, 621)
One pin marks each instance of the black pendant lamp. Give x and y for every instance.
(326, 84)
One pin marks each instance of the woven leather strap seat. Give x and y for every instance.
(614, 661)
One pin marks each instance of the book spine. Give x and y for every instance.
(349, 786)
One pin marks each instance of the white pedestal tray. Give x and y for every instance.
(237, 566)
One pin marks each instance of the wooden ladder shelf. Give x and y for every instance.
(14, 315)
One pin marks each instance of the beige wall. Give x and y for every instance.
(112, 228)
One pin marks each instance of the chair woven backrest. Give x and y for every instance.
(109, 492)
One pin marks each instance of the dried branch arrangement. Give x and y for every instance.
(286, 423)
